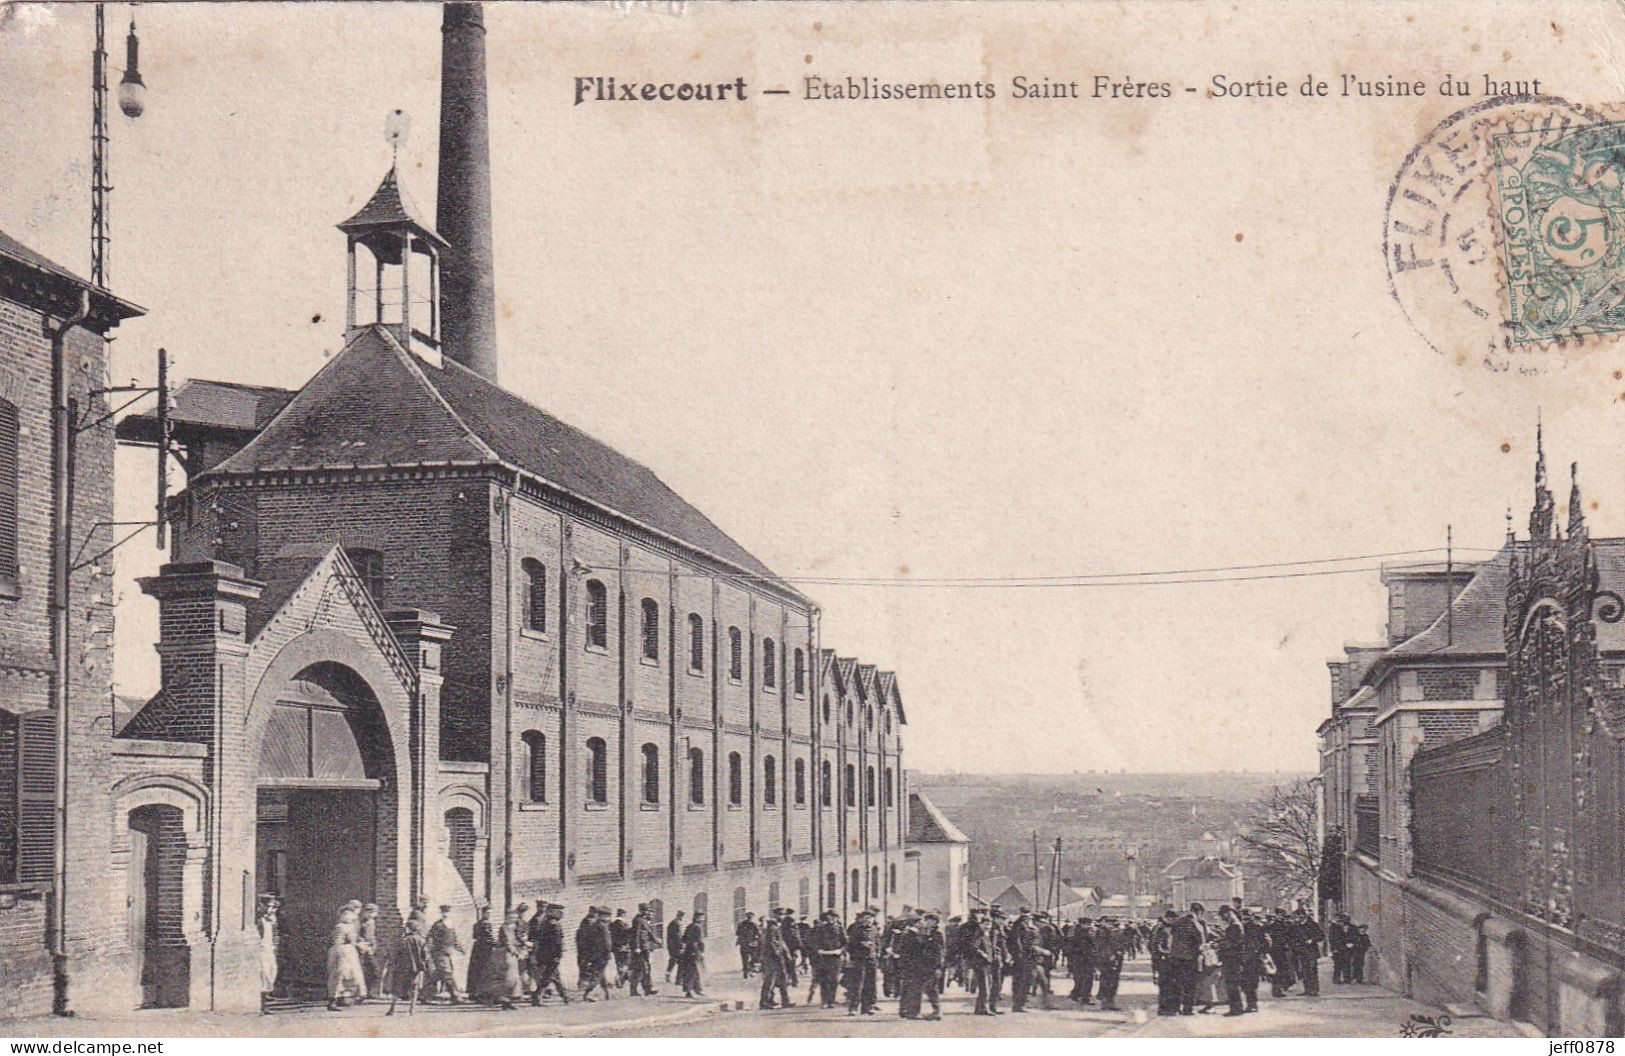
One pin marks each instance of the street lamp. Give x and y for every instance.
(132, 91)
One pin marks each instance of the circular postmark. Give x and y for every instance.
(1504, 232)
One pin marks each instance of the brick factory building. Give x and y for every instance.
(418, 638)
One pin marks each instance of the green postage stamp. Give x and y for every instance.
(1560, 205)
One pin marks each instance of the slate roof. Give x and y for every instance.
(390, 206)
(209, 405)
(1199, 868)
(1475, 623)
(927, 823)
(374, 404)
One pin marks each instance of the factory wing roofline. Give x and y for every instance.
(377, 404)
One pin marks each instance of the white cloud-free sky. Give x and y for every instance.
(991, 339)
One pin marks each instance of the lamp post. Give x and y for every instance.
(132, 100)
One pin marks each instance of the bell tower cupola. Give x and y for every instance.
(401, 287)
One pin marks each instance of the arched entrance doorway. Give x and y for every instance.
(155, 905)
(325, 782)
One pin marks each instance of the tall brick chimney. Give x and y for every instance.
(463, 206)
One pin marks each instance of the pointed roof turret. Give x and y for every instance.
(1577, 517)
(1541, 517)
(390, 209)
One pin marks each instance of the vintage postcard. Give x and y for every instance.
(866, 520)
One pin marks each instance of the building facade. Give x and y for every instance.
(940, 855)
(1473, 767)
(55, 675)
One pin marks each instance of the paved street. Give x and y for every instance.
(1344, 1011)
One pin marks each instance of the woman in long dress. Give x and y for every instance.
(267, 926)
(480, 956)
(344, 978)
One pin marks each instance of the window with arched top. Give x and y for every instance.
(886, 721)
(826, 709)
(739, 906)
(10, 501)
(824, 780)
(770, 781)
(702, 903)
(696, 776)
(851, 785)
(736, 779)
(651, 774)
(535, 614)
(369, 568)
(887, 782)
(597, 770)
(535, 763)
(597, 615)
(849, 713)
(829, 890)
(800, 666)
(855, 888)
(696, 642)
(891, 878)
(801, 783)
(651, 629)
(736, 654)
(770, 664)
(869, 717)
(804, 897)
(874, 881)
(869, 787)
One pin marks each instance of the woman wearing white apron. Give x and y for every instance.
(267, 925)
(344, 978)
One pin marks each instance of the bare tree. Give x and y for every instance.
(1282, 840)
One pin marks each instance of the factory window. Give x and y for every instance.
(849, 713)
(10, 507)
(597, 770)
(869, 786)
(651, 629)
(701, 903)
(535, 595)
(739, 906)
(535, 766)
(369, 568)
(773, 895)
(736, 779)
(770, 781)
(824, 796)
(874, 881)
(657, 911)
(696, 642)
(885, 718)
(851, 785)
(891, 878)
(855, 888)
(801, 783)
(826, 709)
(801, 673)
(829, 890)
(597, 615)
(736, 655)
(696, 776)
(770, 664)
(890, 799)
(651, 774)
(869, 717)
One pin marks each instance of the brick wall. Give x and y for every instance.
(25, 662)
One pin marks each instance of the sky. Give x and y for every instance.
(888, 342)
